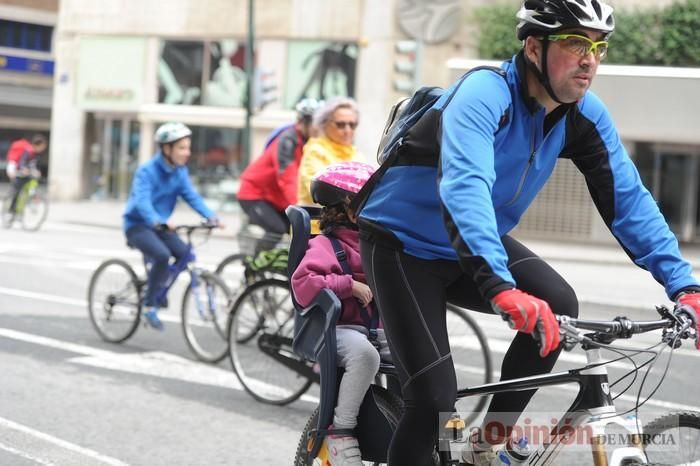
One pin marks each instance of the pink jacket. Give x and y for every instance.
(320, 269)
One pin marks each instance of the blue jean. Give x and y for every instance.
(158, 246)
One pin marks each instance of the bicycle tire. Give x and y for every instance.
(7, 218)
(265, 363)
(205, 325)
(234, 272)
(471, 356)
(34, 211)
(673, 439)
(126, 289)
(387, 402)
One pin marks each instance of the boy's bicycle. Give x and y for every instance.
(592, 411)
(31, 207)
(115, 301)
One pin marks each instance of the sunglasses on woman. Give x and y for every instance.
(345, 124)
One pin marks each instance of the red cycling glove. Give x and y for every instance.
(530, 315)
(691, 301)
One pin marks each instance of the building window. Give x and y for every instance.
(25, 36)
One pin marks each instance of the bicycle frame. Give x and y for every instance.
(186, 262)
(593, 408)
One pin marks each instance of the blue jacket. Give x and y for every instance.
(497, 150)
(154, 193)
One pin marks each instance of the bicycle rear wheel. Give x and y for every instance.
(673, 439)
(387, 403)
(471, 357)
(265, 364)
(34, 211)
(114, 303)
(205, 314)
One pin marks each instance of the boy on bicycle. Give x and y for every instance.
(22, 165)
(437, 226)
(154, 192)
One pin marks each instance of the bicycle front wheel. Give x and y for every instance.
(34, 211)
(205, 313)
(7, 216)
(260, 343)
(114, 303)
(471, 357)
(673, 439)
(232, 270)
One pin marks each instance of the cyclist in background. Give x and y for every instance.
(437, 230)
(268, 185)
(22, 165)
(154, 192)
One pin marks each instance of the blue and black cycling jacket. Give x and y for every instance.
(497, 150)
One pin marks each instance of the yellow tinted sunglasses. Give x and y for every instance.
(581, 45)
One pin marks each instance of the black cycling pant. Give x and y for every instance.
(411, 294)
(264, 214)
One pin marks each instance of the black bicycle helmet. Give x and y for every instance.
(548, 16)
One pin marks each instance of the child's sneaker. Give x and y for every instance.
(474, 454)
(343, 450)
(152, 318)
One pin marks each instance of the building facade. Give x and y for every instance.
(125, 66)
(26, 71)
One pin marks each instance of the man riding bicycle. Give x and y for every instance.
(22, 165)
(269, 183)
(154, 192)
(438, 230)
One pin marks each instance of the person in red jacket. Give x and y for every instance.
(269, 184)
(22, 164)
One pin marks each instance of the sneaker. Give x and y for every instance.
(343, 451)
(153, 320)
(474, 454)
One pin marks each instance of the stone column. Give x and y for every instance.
(67, 123)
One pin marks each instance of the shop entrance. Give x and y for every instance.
(113, 155)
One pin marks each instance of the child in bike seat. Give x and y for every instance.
(333, 261)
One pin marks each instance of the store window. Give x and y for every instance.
(320, 70)
(25, 36)
(216, 163)
(180, 73)
(203, 73)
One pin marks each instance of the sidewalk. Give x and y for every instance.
(602, 274)
(108, 214)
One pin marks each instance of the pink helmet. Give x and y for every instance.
(338, 183)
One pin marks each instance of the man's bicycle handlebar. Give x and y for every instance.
(678, 324)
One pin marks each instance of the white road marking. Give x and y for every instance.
(61, 443)
(42, 296)
(24, 455)
(155, 363)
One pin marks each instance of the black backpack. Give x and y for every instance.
(411, 134)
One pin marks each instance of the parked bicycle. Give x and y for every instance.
(261, 329)
(116, 292)
(31, 208)
(593, 408)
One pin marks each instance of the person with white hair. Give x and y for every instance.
(336, 122)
